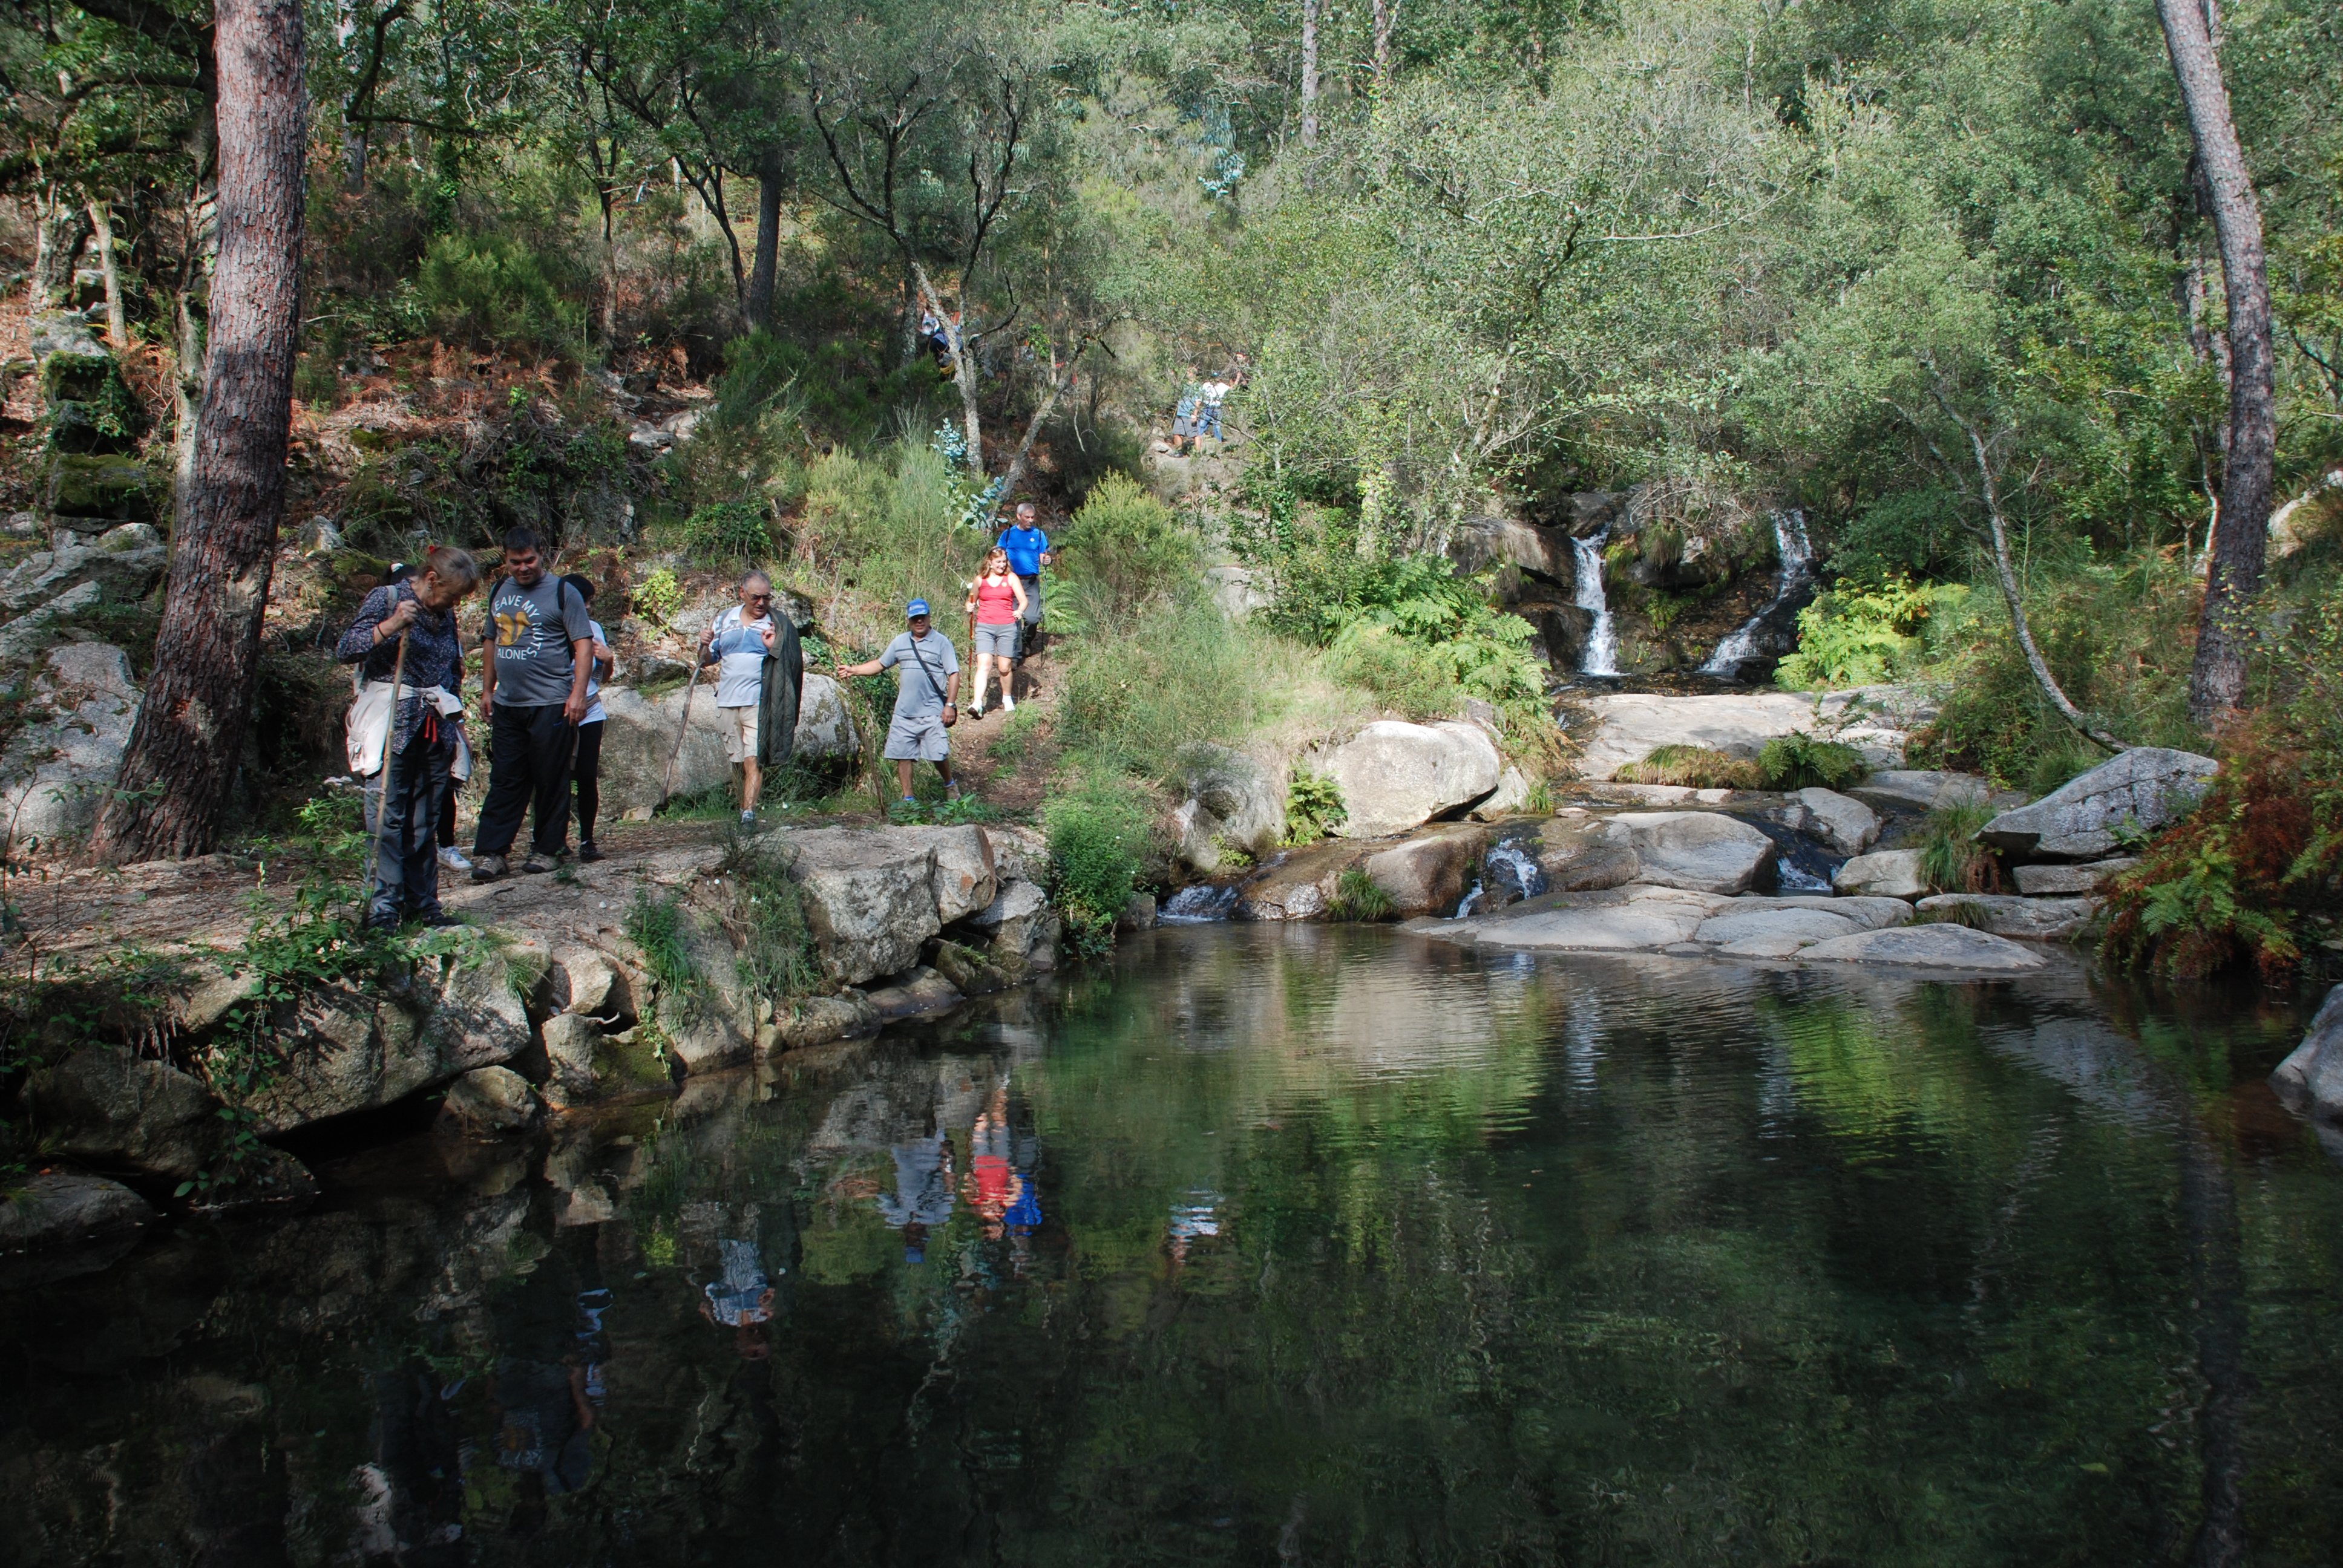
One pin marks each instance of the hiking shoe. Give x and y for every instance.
(537, 863)
(488, 867)
(452, 859)
(438, 920)
(951, 791)
(589, 852)
(748, 818)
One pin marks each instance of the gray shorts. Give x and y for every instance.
(997, 639)
(918, 740)
(1032, 598)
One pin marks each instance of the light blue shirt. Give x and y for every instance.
(740, 646)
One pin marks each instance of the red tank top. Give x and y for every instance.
(996, 602)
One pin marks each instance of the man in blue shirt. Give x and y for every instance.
(1028, 552)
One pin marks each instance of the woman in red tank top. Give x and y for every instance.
(995, 598)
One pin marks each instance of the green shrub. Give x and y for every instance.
(655, 926)
(1167, 676)
(1951, 858)
(1313, 807)
(660, 597)
(1856, 636)
(1129, 545)
(1695, 766)
(1358, 898)
(1799, 761)
(494, 292)
(725, 532)
(1099, 839)
(776, 958)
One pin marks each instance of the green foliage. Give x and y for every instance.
(1358, 898)
(1799, 761)
(657, 928)
(1858, 635)
(1313, 807)
(1427, 640)
(1127, 546)
(1951, 858)
(724, 533)
(776, 960)
(490, 289)
(659, 597)
(1100, 838)
(1694, 767)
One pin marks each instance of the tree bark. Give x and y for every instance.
(1310, 73)
(962, 355)
(1061, 377)
(60, 228)
(2217, 685)
(118, 319)
(770, 175)
(1386, 19)
(182, 760)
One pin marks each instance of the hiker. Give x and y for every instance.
(459, 770)
(537, 651)
(1183, 415)
(408, 736)
(1208, 408)
(760, 675)
(997, 601)
(586, 771)
(1028, 552)
(927, 698)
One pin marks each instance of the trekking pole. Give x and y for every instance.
(666, 789)
(382, 786)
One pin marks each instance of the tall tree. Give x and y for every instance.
(2216, 683)
(183, 753)
(1310, 73)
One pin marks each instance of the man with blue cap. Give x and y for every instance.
(927, 698)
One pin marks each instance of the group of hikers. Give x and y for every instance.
(543, 659)
(1197, 414)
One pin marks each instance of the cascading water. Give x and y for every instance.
(1601, 657)
(1199, 905)
(1797, 574)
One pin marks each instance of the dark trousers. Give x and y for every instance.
(587, 770)
(404, 823)
(528, 766)
(448, 812)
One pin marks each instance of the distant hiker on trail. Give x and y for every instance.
(1028, 552)
(760, 675)
(586, 771)
(1183, 414)
(927, 698)
(1208, 410)
(997, 599)
(536, 652)
(409, 734)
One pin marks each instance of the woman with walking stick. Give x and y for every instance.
(404, 728)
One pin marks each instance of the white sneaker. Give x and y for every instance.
(977, 712)
(1008, 705)
(453, 858)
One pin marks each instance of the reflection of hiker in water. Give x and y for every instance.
(743, 1299)
(990, 1186)
(546, 1414)
(923, 1195)
(1195, 1220)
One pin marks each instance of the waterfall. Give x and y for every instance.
(1601, 656)
(1797, 571)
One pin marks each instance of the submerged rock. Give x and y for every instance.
(1396, 776)
(2141, 790)
(60, 1209)
(490, 1101)
(2310, 1079)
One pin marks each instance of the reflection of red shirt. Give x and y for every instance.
(991, 1173)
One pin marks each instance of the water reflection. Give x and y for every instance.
(1313, 1245)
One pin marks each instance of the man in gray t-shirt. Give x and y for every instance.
(535, 656)
(927, 698)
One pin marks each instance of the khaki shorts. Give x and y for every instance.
(918, 740)
(740, 733)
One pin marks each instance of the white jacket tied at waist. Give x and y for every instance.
(369, 725)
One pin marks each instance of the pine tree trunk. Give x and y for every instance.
(770, 173)
(181, 764)
(2217, 683)
(118, 319)
(60, 228)
(1310, 73)
(1387, 19)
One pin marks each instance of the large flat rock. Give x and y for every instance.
(1631, 726)
(1700, 851)
(2142, 789)
(1930, 947)
(1396, 776)
(1626, 920)
(1919, 789)
(2026, 920)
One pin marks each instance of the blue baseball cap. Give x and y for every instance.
(915, 609)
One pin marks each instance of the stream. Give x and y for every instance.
(1271, 1243)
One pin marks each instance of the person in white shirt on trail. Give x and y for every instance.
(738, 641)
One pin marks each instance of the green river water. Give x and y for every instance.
(1267, 1245)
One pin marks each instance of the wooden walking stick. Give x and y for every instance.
(382, 785)
(666, 789)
